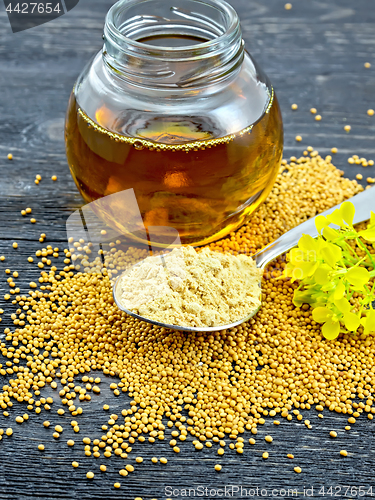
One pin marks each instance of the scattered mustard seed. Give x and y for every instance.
(294, 106)
(298, 470)
(269, 439)
(288, 6)
(318, 118)
(333, 434)
(298, 138)
(10, 156)
(117, 485)
(367, 65)
(218, 467)
(265, 455)
(41, 447)
(75, 464)
(344, 453)
(347, 128)
(54, 178)
(90, 475)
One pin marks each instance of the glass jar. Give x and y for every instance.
(174, 108)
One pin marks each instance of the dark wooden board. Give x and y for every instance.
(314, 55)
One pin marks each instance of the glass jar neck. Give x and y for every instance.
(173, 44)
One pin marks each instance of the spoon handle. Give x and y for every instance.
(363, 202)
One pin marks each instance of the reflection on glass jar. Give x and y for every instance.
(175, 109)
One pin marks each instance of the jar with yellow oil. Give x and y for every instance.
(175, 109)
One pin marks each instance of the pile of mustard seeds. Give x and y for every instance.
(198, 388)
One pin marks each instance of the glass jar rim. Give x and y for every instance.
(231, 33)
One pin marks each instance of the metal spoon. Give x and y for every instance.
(363, 203)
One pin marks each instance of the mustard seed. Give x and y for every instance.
(265, 455)
(344, 453)
(10, 156)
(218, 467)
(75, 464)
(90, 475)
(117, 485)
(298, 470)
(294, 106)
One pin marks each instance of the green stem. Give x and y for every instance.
(359, 243)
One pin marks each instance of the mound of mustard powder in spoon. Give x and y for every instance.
(189, 288)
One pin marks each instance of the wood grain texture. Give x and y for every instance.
(314, 55)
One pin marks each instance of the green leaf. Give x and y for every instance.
(320, 223)
(335, 217)
(331, 254)
(331, 329)
(351, 321)
(321, 314)
(330, 234)
(343, 305)
(358, 276)
(347, 211)
(339, 291)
